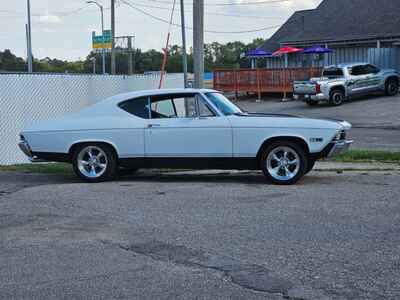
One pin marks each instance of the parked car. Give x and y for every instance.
(183, 128)
(339, 83)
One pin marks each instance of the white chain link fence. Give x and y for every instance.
(29, 98)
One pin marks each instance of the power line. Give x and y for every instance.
(231, 4)
(208, 13)
(190, 28)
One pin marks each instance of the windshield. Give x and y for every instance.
(223, 104)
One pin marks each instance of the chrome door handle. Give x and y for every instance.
(153, 125)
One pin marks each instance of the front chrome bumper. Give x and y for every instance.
(339, 147)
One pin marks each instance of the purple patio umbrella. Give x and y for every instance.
(318, 49)
(256, 53)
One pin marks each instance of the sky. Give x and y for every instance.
(63, 28)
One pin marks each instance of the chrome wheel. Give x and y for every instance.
(283, 163)
(92, 162)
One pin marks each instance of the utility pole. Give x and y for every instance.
(29, 38)
(184, 54)
(198, 43)
(113, 37)
(130, 53)
(102, 33)
(93, 60)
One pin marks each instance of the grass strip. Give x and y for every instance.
(369, 156)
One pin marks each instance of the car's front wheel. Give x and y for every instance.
(284, 162)
(94, 162)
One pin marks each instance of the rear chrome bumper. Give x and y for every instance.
(339, 147)
(24, 146)
(310, 97)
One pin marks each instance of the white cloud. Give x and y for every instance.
(50, 19)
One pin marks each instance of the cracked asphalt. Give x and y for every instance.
(208, 236)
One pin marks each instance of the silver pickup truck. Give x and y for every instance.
(341, 82)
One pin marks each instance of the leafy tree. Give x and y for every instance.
(216, 55)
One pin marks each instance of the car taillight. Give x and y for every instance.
(318, 88)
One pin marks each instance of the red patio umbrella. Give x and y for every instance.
(285, 51)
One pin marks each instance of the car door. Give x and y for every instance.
(357, 82)
(373, 80)
(185, 126)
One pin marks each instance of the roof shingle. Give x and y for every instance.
(340, 20)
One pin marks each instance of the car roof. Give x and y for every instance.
(143, 93)
(349, 65)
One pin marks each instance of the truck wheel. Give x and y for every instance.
(312, 103)
(392, 87)
(284, 163)
(95, 162)
(336, 97)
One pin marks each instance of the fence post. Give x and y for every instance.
(235, 78)
(214, 79)
(258, 85)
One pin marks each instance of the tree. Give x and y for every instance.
(216, 55)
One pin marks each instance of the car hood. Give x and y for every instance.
(286, 121)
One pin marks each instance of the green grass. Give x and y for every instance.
(42, 168)
(369, 156)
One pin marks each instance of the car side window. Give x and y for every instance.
(204, 109)
(173, 106)
(371, 69)
(357, 71)
(138, 107)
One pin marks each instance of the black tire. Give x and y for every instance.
(109, 159)
(392, 87)
(312, 103)
(337, 97)
(310, 165)
(266, 163)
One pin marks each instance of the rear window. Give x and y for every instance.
(138, 107)
(333, 72)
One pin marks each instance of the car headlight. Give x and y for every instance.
(340, 136)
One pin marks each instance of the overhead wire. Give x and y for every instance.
(191, 28)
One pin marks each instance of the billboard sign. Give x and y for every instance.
(102, 41)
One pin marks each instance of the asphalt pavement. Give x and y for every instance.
(375, 119)
(200, 236)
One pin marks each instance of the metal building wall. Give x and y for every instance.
(382, 57)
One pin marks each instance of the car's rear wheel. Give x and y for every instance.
(284, 162)
(337, 97)
(392, 87)
(95, 162)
